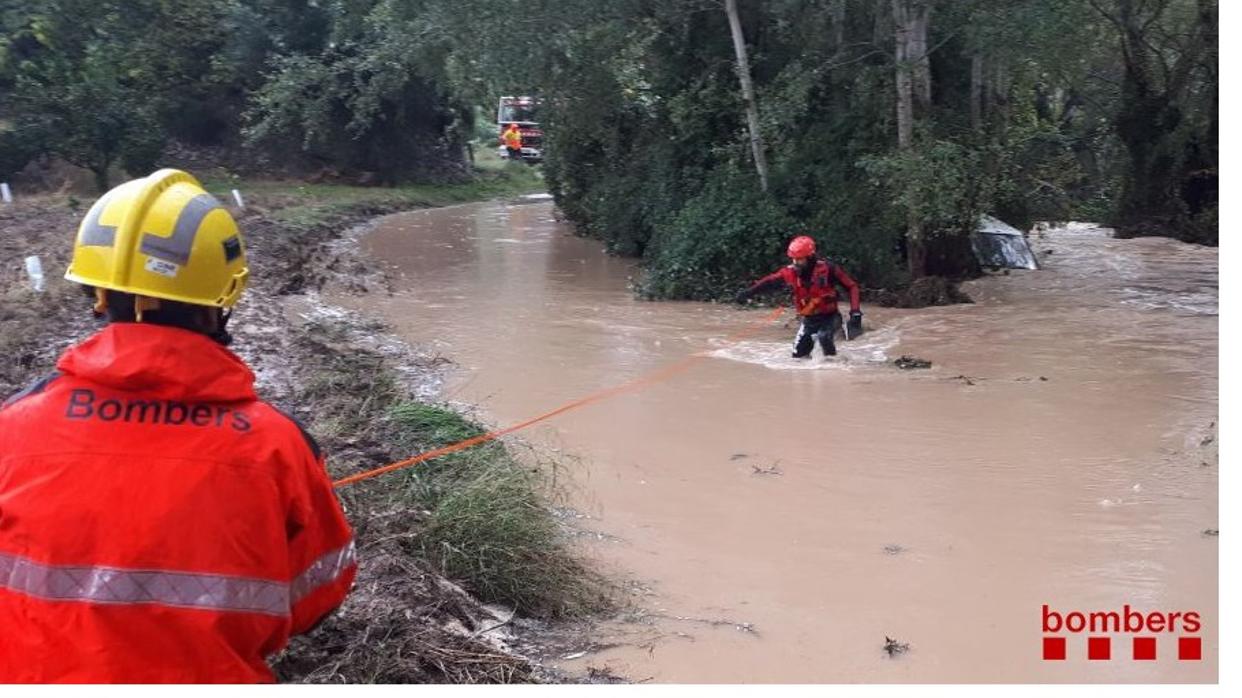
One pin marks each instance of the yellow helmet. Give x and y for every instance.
(161, 236)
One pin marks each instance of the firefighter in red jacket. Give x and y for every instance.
(813, 282)
(158, 522)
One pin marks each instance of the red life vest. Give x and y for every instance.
(817, 298)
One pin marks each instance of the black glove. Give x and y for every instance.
(854, 327)
(742, 296)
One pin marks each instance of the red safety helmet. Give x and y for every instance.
(801, 246)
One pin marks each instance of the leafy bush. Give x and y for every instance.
(715, 243)
(374, 100)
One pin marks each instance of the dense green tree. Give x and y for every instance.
(75, 88)
(1166, 116)
(373, 100)
(889, 126)
(882, 127)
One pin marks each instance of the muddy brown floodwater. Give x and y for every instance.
(781, 519)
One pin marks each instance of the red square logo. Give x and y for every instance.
(1145, 648)
(1054, 648)
(1189, 648)
(1099, 648)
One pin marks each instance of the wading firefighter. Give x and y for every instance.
(813, 282)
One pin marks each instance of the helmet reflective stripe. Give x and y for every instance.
(176, 248)
(94, 234)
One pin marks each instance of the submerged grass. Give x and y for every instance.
(490, 524)
(303, 205)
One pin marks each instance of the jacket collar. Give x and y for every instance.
(162, 362)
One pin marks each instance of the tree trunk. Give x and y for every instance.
(1144, 122)
(837, 11)
(1150, 113)
(748, 93)
(999, 100)
(976, 92)
(905, 85)
(920, 17)
(879, 26)
(916, 252)
(101, 178)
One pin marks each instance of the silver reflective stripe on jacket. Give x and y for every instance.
(323, 571)
(111, 585)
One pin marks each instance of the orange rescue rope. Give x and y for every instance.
(653, 377)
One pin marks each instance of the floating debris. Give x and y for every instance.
(1213, 532)
(774, 469)
(604, 674)
(740, 626)
(908, 362)
(894, 549)
(894, 647)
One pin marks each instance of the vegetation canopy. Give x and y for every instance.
(696, 134)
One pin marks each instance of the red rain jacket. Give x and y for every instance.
(817, 298)
(159, 523)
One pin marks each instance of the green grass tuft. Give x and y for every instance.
(490, 524)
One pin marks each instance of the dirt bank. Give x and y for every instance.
(405, 621)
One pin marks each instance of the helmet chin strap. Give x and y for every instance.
(101, 302)
(143, 304)
(221, 335)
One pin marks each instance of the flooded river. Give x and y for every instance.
(780, 519)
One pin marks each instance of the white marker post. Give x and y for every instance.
(34, 269)
(5, 193)
(238, 199)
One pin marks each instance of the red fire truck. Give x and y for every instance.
(523, 111)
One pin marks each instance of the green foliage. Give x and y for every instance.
(359, 86)
(16, 149)
(75, 89)
(940, 183)
(90, 113)
(714, 244)
(372, 100)
(489, 520)
(642, 103)
(309, 206)
(649, 149)
(646, 110)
